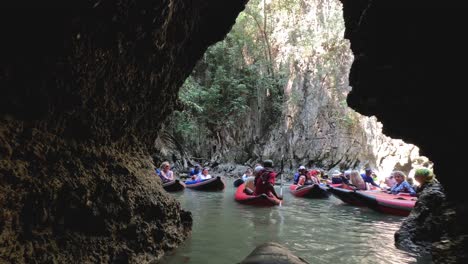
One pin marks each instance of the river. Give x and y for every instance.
(318, 230)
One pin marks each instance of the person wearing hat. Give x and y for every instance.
(250, 182)
(265, 180)
(302, 171)
(338, 177)
(425, 178)
(367, 177)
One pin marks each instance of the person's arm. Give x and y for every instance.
(410, 189)
(163, 175)
(272, 190)
(371, 181)
(170, 175)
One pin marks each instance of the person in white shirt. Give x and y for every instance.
(204, 175)
(166, 173)
(248, 173)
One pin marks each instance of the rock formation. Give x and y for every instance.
(408, 71)
(84, 89)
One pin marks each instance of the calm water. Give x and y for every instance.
(320, 231)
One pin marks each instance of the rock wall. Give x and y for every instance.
(408, 69)
(84, 89)
(320, 129)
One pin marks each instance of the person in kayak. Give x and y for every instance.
(250, 182)
(425, 178)
(265, 181)
(338, 177)
(195, 172)
(401, 186)
(203, 175)
(248, 173)
(356, 180)
(308, 179)
(302, 171)
(367, 177)
(389, 182)
(165, 173)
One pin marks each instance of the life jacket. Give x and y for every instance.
(264, 175)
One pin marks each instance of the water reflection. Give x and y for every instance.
(320, 231)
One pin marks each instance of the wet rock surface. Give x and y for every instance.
(84, 89)
(406, 73)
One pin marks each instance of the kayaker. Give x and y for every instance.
(265, 181)
(356, 180)
(250, 182)
(401, 186)
(247, 173)
(308, 179)
(195, 171)
(203, 175)
(338, 177)
(165, 172)
(315, 175)
(302, 171)
(389, 182)
(425, 178)
(367, 177)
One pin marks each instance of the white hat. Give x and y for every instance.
(336, 173)
(302, 168)
(258, 169)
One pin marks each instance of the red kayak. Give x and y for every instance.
(309, 191)
(396, 204)
(260, 200)
(174, 186)
(213, 184)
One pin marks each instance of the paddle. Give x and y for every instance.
(281, 179)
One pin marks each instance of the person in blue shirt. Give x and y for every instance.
(367, 177)
(195, 172)
(401, 186)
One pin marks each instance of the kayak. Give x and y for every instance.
(396, 204)
(238, 182)
(213, 184)
(309, 191)
(174, 186)
(260, 200)
(345, 194)
(271, 252)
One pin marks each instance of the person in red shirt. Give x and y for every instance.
(265, 180)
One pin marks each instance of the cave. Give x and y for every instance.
(85, 87)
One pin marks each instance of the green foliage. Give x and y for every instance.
(244, 75)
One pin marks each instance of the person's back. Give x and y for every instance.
(267, 176)
(356, 180)
(195, 171)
